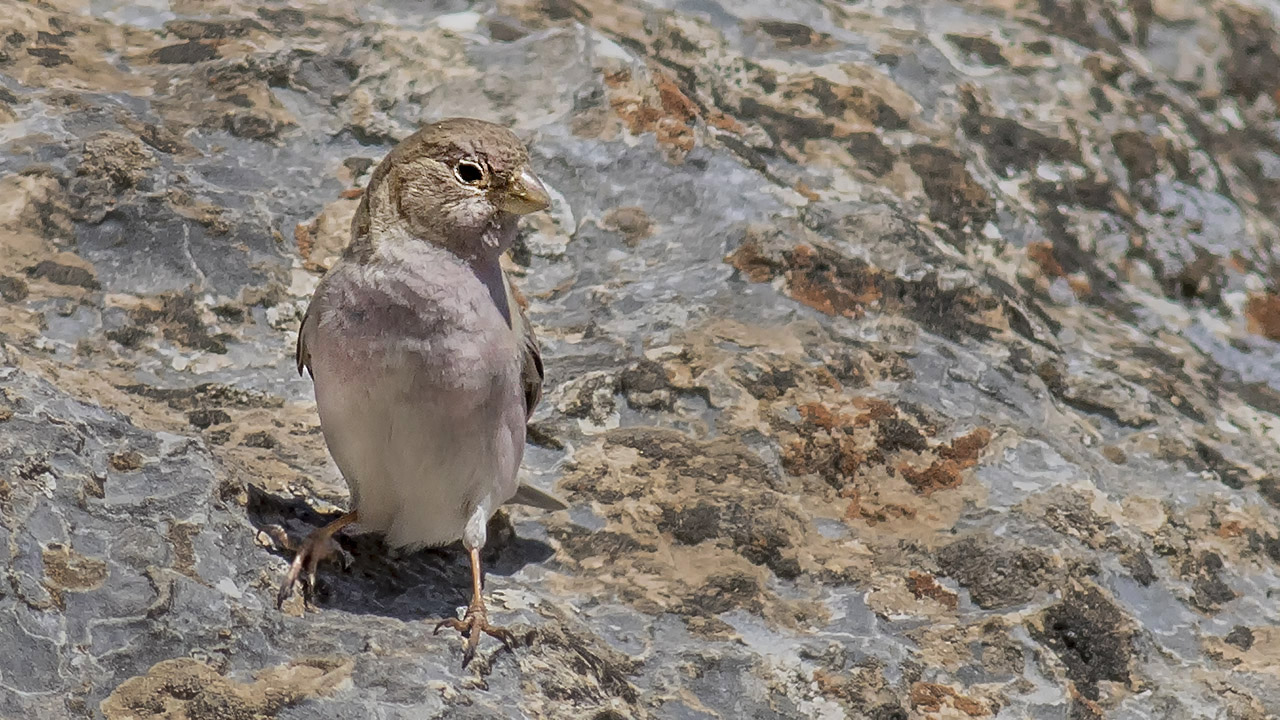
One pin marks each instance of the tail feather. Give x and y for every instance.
(533, 497)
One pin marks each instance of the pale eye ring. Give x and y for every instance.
(468, 172)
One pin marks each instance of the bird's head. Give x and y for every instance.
(458, 183)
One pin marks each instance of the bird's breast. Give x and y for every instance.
(418, 385)
(439, 330)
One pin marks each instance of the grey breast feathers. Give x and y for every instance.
(531, 375)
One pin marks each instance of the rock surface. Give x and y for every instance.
(906, 359)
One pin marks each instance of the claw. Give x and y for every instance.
(318, 545)
(290, 579)
(471, 626)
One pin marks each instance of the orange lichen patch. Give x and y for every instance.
(824, 378)
(639, 117)
(1041, 253)
(815, 276)
(941, 475)
(748, 260)
(661, 108)
(821, 415)
(851, 459)
(829, 684)
(932, 697)
(873, 409)
(838, 445)
(303, 238)
(854, 508)
(1231, 529)
(1263, 315)
(674, 101)
(923, 585)
(822, 286)
(860, 452)
(351, 193)
(966, 449)
(858, 687)
(838, 686)
(724, 122)
(834, 444)
(1080, 285)
(831, 458)
(617, 79)
(675, 135)
(957, 199)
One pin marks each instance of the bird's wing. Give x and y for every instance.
(301, 355)
(531, 372)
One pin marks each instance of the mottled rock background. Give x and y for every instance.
(905, 359)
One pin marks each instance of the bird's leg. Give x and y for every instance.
(317, 546)
(476, 620)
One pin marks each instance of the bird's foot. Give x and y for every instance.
(318, 546)
(303, 569)
(474, 623)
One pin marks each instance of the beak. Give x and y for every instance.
(524, 195)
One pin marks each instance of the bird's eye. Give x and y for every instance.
(469, 172)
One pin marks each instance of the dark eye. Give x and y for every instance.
(469, 172)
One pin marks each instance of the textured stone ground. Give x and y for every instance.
(905, 359)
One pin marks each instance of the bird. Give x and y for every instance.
(425, 367)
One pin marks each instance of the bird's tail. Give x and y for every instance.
(529, 495)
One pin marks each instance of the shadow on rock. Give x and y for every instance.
(380, 580)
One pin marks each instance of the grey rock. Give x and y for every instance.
(902, 361)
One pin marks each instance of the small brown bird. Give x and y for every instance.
(425, 368)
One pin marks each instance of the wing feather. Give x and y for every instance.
(531, 370)
(301, 355)
(531, 375)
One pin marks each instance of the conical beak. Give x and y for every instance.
(524, 195)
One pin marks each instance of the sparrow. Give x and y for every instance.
(425, 368)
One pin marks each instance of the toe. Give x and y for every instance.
(469, 649)
(286, 589)
(452, 624)
(345, 557)
(473, 625)
(290, 579)
(506, 636)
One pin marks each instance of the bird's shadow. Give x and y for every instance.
(379, 580)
